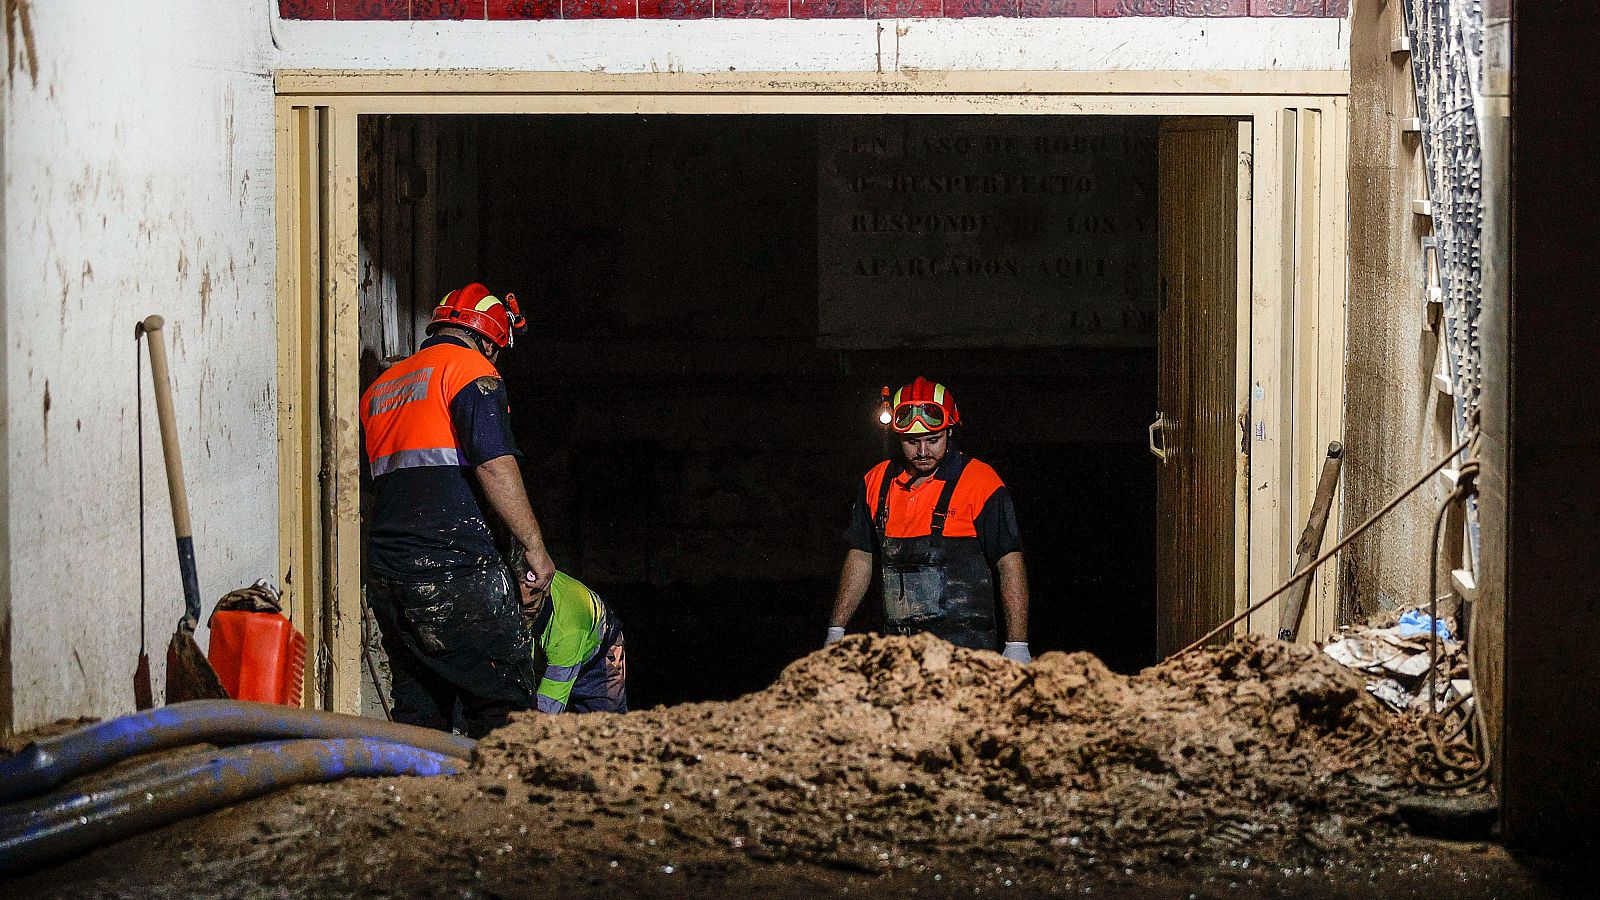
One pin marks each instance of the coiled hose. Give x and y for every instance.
(49, 828)
(45, 764)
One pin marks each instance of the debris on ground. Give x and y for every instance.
(888, 763)
(1396, 656)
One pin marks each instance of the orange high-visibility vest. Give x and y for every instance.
(911, 509)
(406, 413)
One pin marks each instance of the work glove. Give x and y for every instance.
(835, 635)
(1017, 651)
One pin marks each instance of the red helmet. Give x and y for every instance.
(923, 407)
(475, 309)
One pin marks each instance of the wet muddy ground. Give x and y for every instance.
(881, 765)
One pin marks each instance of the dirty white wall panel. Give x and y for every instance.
(1397, 425)
(720, 45)
(138, 170)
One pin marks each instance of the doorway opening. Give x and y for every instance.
(715, 303)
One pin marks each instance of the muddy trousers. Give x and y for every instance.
(602, 684)
(455, 640)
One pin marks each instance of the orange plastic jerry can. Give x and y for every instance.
(258, 656)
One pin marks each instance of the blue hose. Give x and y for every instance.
(45, 764)
(50, 828)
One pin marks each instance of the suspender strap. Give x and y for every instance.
(881, 520)
(942, 510)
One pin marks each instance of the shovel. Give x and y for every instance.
(189, 674)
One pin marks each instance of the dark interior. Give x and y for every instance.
(691, 444)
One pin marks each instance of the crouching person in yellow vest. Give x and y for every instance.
(578, 648)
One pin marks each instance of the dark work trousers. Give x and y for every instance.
(460, 638)
(602, 684)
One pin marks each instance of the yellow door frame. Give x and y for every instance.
(1292, 295)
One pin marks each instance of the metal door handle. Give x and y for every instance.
(1161, 451)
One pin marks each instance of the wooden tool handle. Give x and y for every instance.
(169, 426)
(1310, 542)
(181, 527)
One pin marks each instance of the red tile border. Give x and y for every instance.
(599, 9)
(447, 9)
(828, 9)
(1133, 7)
(681, 9)
(372, 10)
(1042, 9)
(905, 9)
(972, 9)
(752, 9)
(402, 10)
(524, 9)
(305, 9)
(1200, 9)
(1285, 8)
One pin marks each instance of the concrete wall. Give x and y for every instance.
(137, 151)
(1395, 428)
(138, 180)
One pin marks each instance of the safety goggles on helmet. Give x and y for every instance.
(921, 407)
(907, 415)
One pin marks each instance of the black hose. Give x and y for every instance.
(51, 828)
(45, 764)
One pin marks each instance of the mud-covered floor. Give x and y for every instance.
(898, 765)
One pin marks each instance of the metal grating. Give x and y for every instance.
(1446, 38)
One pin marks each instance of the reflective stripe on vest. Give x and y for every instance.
(405, 414)
(411, 459)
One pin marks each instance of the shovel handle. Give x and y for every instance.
(1310, 543)
(176, 490)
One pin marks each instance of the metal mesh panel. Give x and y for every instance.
(1446, 43)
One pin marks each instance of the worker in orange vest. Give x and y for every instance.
(437, 425)
(940, 525)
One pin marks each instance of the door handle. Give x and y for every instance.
(1157, 426)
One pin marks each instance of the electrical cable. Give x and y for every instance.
(48, 762)
(1469, 760)
(50, 828)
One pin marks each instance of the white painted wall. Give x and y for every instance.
(138, 142)
(137, 154)
(839, 45)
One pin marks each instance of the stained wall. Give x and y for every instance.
(138, 158)
(1396, 425)
(138, 180)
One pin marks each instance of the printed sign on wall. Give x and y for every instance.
(971, 231)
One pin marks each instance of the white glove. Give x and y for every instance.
(835, 635)
(1017, 651)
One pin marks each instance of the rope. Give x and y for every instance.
(1344, 542)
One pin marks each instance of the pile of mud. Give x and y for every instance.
(886, 748)
(883, 764)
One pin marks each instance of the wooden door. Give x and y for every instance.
(1196, 432)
